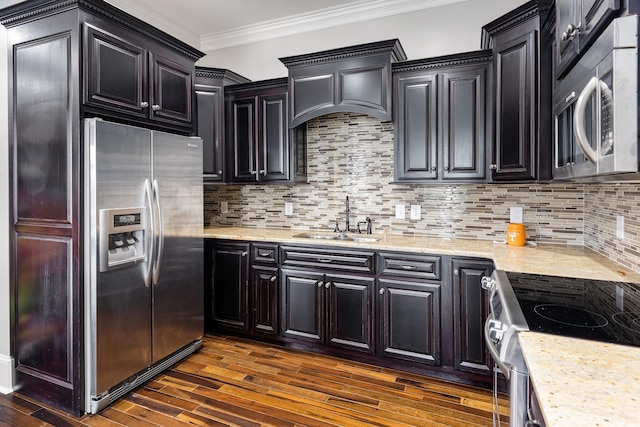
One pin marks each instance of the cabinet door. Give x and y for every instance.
(463, 123)
(302, 302)
(350, 311)
(265, 300)
(595, 15)
(171, 88)
(516, 125)
(230, 284)
(115, 73)
(470, 310)
(567, 16)
(242, 138)
(410, 316)
(209, 100)
(274, 138)
(416, 128)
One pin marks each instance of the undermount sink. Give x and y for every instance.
(338, 236)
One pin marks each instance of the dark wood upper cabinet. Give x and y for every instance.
(351, 79)
(132, 78)
(260, 146)
(441, 114)
(522, 59)
(209, 85)
(69, 60)
(578, 24)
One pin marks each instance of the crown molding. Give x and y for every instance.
(324, 18)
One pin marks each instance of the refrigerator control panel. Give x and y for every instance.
(122, 237)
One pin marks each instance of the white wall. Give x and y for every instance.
(431, 32)
(6, 363)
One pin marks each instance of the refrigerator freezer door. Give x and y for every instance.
(117, 301)
(178, 310)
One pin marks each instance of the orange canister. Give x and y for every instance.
(516, 235)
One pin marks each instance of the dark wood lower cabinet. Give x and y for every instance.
(470, 309)
(420, 312)
(410, 320)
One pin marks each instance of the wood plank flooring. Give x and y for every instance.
(235, 382)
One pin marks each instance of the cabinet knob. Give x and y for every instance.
(263, 172)
(434, 169)
(446, 168)
(244, 253)
(253, 172)
(144, 104)
(381, 291)
(327, 285)
(456, 272)
(155, 107)
(320, 284)
(219, 172)
(273, 278)
(493, 167)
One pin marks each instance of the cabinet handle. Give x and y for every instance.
(327, 285)
(456, 272)
(263, 172)
(264, 254)
(320, 284)
(325, 260)
(244, 253)
(144, 104)
(493, 167)
(408, 267)
(273, 279)
(155, 107)
(381, 291)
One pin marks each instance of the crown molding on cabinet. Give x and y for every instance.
(323, 18)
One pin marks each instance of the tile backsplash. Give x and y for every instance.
(352, 154)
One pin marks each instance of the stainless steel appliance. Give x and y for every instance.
(581, 308)
(144, 272)
(596, 108)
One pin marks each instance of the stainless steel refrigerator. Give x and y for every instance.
(144, 255)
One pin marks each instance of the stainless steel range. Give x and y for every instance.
(579, 308)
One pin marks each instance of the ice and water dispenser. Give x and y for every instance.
(122, 237)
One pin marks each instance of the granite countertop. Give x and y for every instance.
(578, 382)
(581, 382)
(555, 260)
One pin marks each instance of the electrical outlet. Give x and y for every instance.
(416, 212)
(515, 215)
(400, 211)
(288, 208)
(224, 207)
(620, 227)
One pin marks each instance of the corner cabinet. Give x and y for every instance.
(522, 61)
(209, 90)
(441, 115)
(260, 147)
(69, 60)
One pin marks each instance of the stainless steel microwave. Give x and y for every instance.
(596, 108)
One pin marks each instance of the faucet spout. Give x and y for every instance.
(347, 228)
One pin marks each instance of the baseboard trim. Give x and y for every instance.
(6, 374)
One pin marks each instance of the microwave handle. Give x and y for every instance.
(578, 122)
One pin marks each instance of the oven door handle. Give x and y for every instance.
(495, 355)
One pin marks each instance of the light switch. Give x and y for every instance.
(516, 215)
(416, 211)
(620, 227)
(288, 208)
(224, 207)
(400, 211)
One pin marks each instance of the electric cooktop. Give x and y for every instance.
(581, 308)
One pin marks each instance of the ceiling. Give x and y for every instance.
(214, 24)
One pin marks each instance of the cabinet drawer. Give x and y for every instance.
(335, 259)
(409, 265)
(264, 253)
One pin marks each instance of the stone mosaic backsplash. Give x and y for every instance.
(352, 154)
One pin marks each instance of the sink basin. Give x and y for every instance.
(338, 236)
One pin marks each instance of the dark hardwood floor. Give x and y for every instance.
(234, 382)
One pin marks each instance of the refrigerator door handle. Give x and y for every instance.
(150, 233)
(158, 261)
